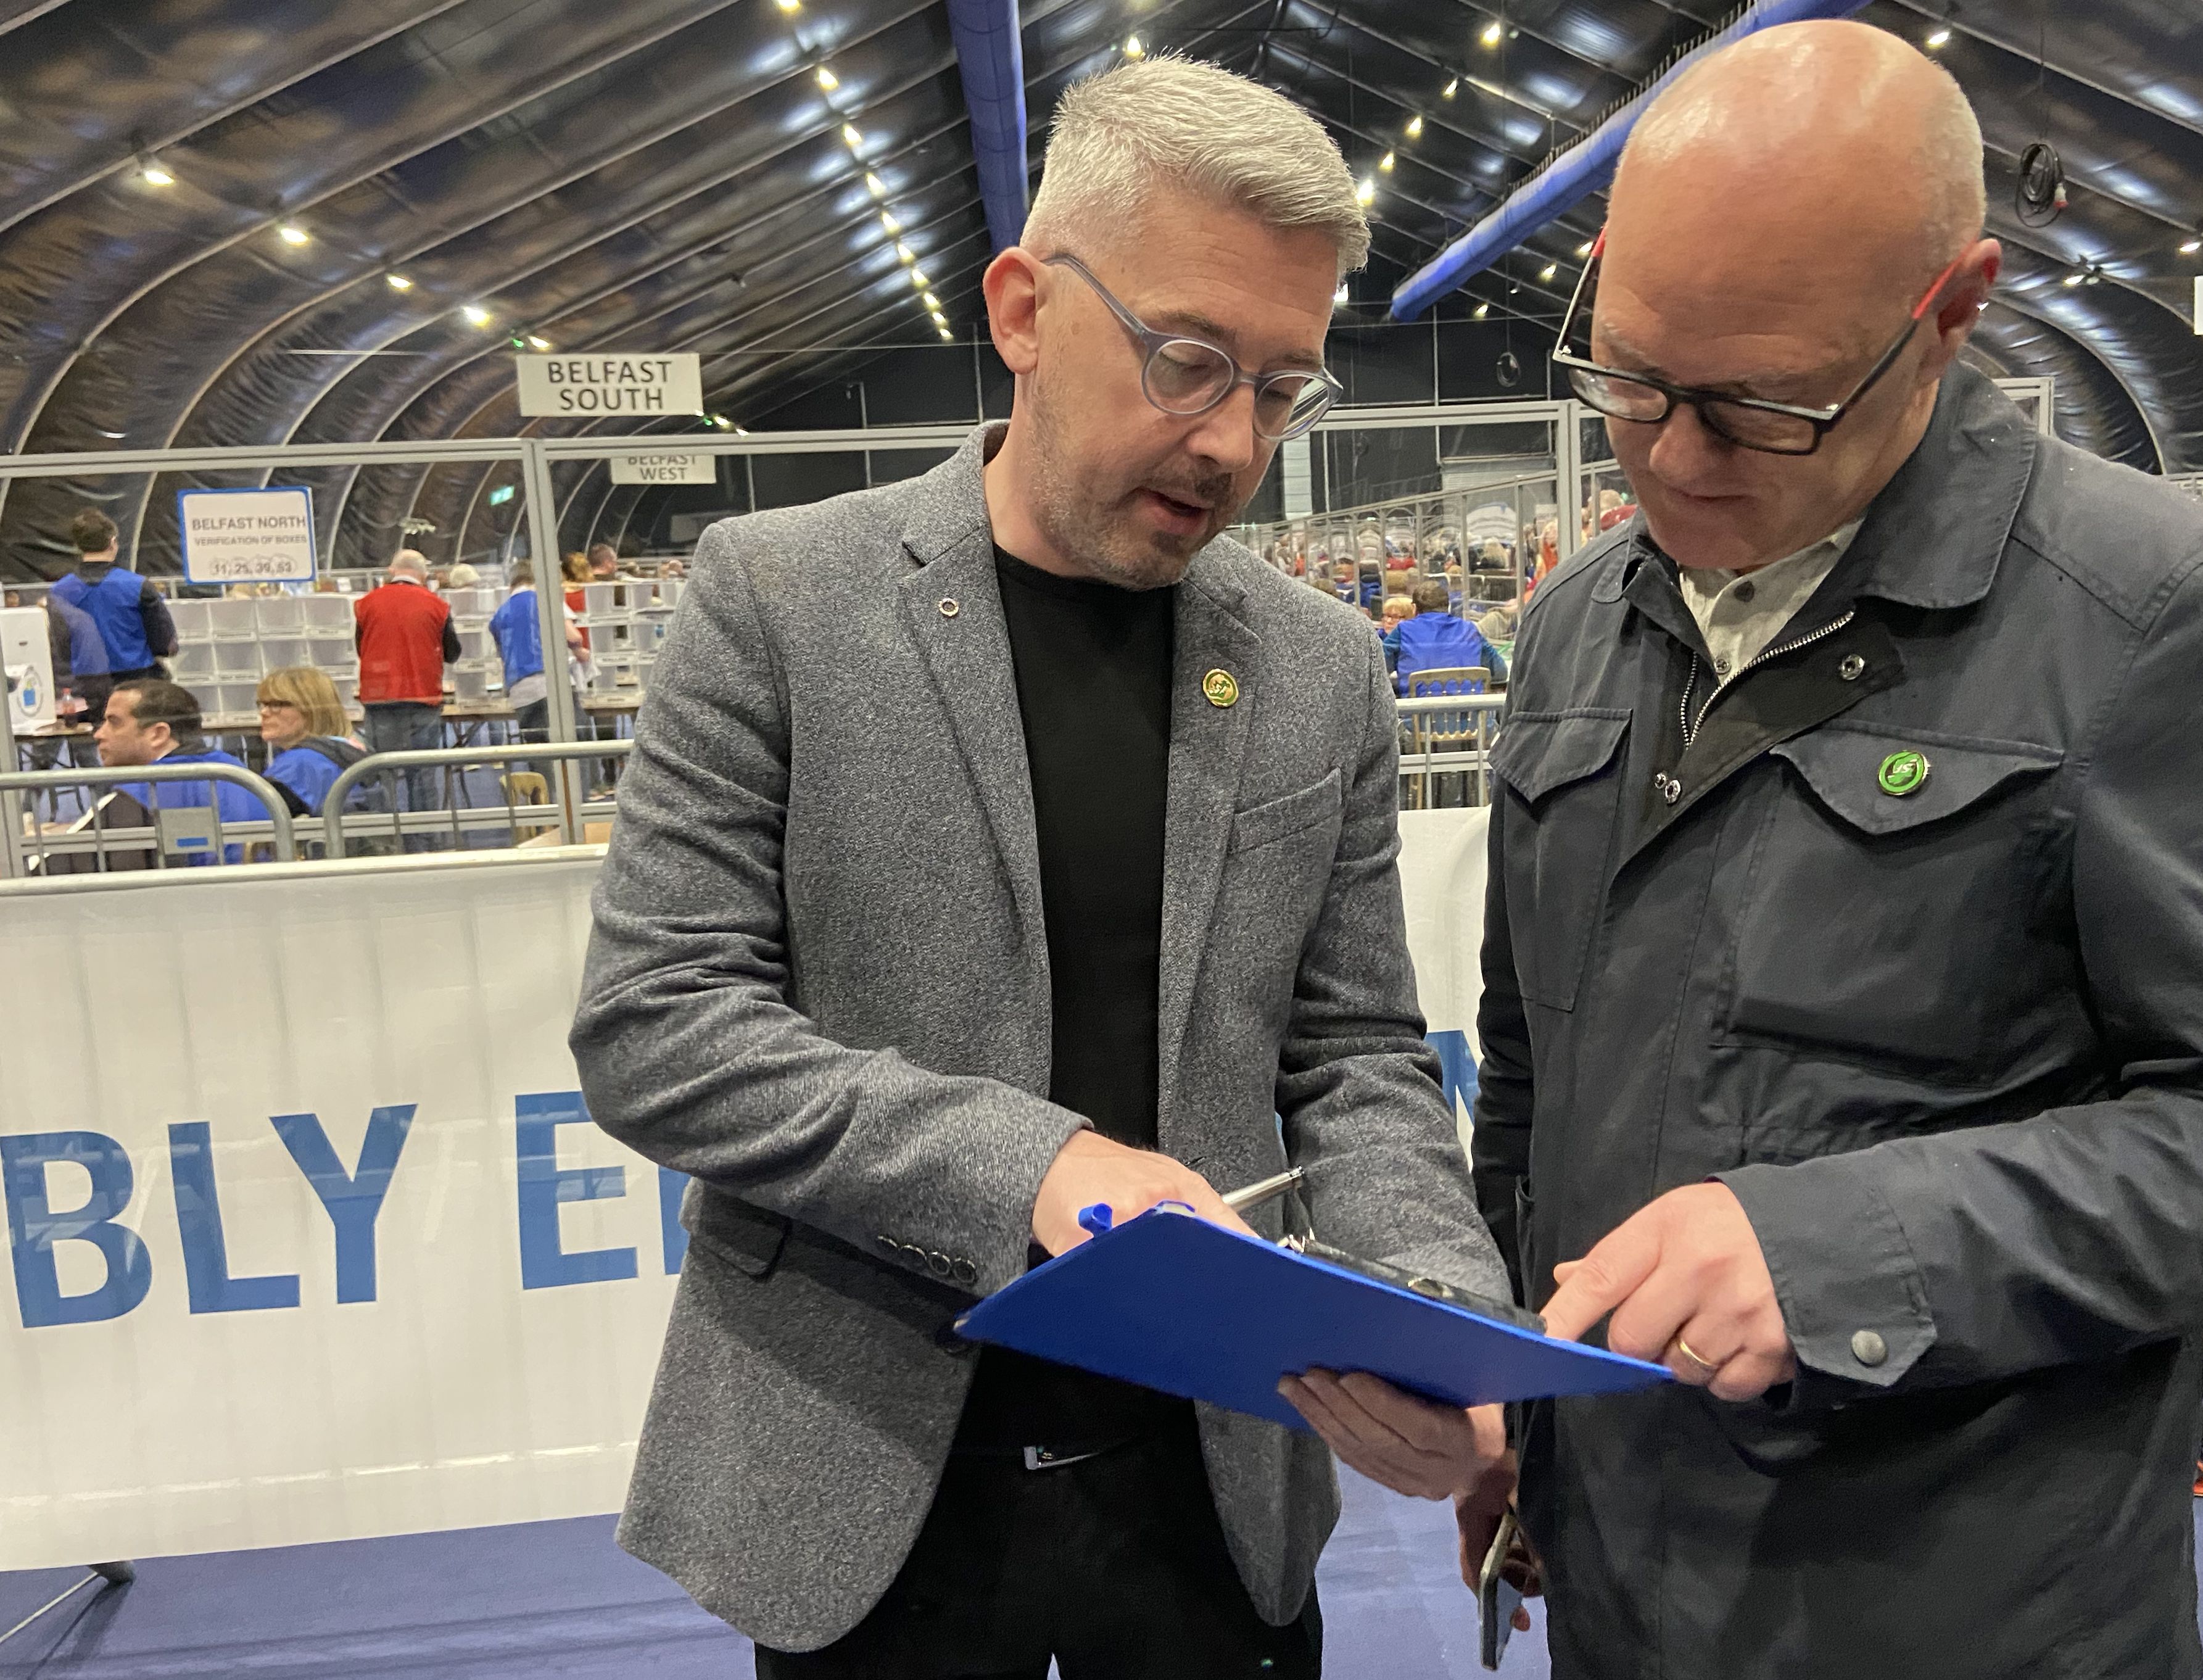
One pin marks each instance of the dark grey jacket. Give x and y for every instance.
(1945, 1044)
(818, 982)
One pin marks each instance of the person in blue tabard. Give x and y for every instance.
(151, 721)
(1435, 640)
(132, 620)
(518, 627)
(309, 738)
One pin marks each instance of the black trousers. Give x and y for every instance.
(1114, 1566)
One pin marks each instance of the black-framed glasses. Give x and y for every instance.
(1184, 376)
(1748, 423)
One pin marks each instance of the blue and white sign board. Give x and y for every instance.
(247, 536)
(325, 1245)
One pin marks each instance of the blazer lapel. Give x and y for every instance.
(953, 605)
(1208, 745)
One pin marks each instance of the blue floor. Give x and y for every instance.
(559, 1598)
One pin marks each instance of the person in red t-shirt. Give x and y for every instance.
(574, 569)
(405, 640)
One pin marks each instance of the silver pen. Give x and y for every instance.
(1262, 1190)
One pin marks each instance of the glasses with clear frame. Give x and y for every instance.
(1189, 375)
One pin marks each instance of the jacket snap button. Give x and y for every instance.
(1852, 668)
(1868, 1348)
(948, 608)
(1671, 791)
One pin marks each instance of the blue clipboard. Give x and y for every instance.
(1173, 1303)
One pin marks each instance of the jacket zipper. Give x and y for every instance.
(1691, 726)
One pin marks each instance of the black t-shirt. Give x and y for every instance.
(1093, 665)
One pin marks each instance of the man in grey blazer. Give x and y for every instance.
(996, 843)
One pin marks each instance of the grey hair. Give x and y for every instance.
(1951, 158)
(411, 561)
(1168, 119)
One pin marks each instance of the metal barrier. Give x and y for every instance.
(1438, 527)
(283, 831)
(569, 812)
(278, 827)
(1420, 756)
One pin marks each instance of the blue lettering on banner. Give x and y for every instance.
(198, 1221)
(543, 1186)
(672, 1235)
(1460, 1069)
(33, 1228)
(353, 1199)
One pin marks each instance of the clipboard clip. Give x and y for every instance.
(1099, 1219)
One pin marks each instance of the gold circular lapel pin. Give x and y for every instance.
(1221, 687)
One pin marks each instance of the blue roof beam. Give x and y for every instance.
(1584, 168)
(990, 54)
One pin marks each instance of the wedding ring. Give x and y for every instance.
(1695, 1358)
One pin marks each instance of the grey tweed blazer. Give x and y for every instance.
(819, 983)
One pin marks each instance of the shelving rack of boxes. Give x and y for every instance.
(627, 622)
(478, 666)
(225, 646)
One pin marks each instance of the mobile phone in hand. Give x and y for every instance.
(1497, 1599)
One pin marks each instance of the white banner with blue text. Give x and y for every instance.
(310, 1237)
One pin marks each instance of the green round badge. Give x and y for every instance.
(1903, 772)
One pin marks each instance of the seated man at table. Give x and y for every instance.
(152, 721)
(1435, 640)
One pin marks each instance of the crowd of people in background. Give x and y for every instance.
(110, 637)
(1446, 596)
(110, 632)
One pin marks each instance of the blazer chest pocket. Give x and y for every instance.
(1280, 819)
(748, 1238)
(1890, 899)
(1563, 800)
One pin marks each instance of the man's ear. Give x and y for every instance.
(1012, 284)
(1960, 309)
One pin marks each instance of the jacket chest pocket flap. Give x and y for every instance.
(1276, 818)
(1561, 767)
(1853, 885)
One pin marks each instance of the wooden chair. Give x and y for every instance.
(526, 787)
